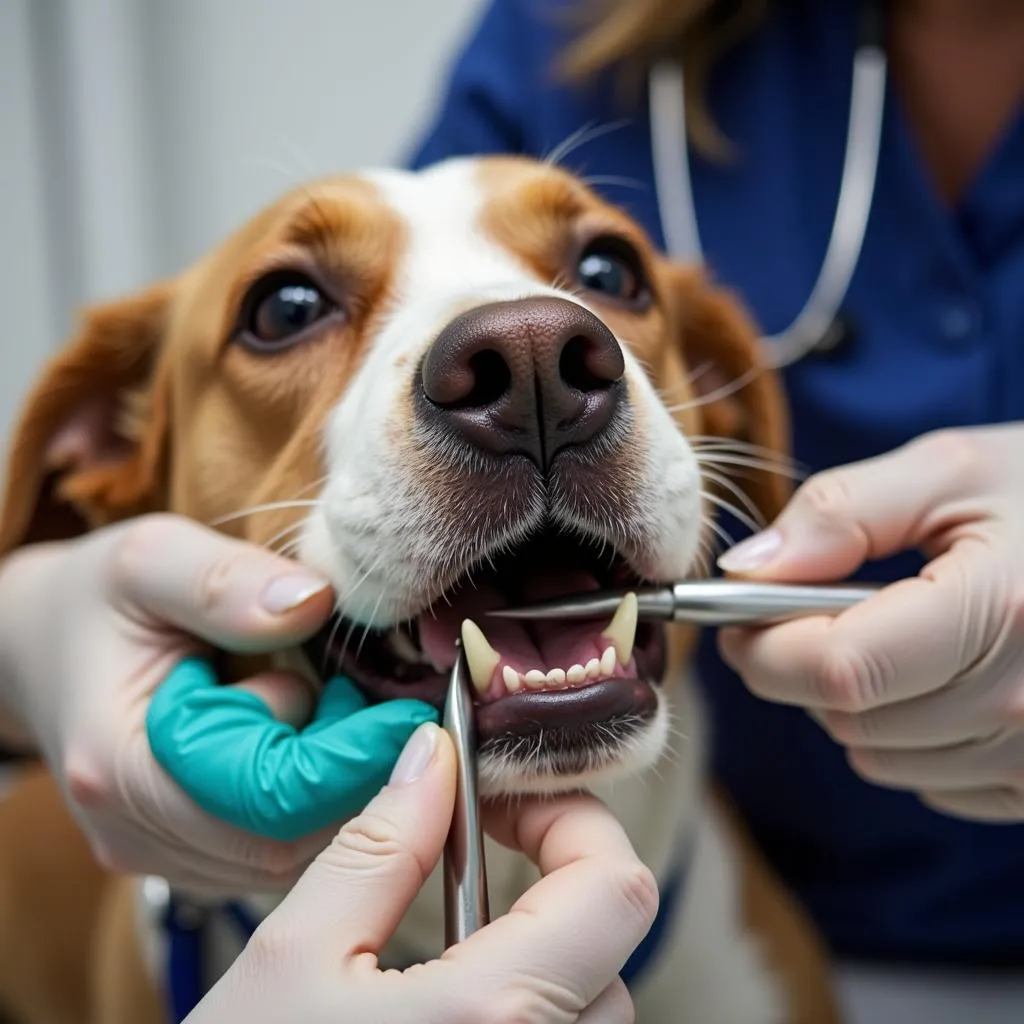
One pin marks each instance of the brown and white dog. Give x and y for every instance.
(449, 391)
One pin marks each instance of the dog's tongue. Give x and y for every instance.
(538, 644)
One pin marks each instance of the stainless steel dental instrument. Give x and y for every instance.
(705, 602)
(465, 872)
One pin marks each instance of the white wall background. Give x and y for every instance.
(136, 133)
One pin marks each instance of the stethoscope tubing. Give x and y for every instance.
(677, 208)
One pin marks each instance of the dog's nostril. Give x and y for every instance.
(491, 379)
(479, 382)
(583, 367)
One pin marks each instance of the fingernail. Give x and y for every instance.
(416, 756)
(752, 553)
(289, 592)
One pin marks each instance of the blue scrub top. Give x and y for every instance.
(936, 310)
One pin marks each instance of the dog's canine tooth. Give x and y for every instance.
(621, 631)
(576, 674)
(535, 678)
(513, 681)
(402, 646)
(481, 657)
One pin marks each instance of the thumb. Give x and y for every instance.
(843, 517)
(231, 594)
(353, 896)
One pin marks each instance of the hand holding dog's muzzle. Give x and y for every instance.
(91, 630)
(228, 752)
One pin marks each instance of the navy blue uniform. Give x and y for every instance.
(936, 339)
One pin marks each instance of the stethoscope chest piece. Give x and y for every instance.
(839, 337)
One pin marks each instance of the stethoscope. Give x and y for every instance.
(815, 326)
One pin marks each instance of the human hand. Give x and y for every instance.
(554, 958)
(90, 628)
(923, 683)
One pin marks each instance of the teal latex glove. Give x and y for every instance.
(224, 748)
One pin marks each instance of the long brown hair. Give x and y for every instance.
(627, 36)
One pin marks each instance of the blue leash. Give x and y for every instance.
(672, 893)
(185, 926)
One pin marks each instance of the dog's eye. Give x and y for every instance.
(279, 309)
(612, 268)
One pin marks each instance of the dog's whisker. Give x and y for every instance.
(290, 549)
(270, 506)
(705, 558)
(367, 628)
(597, 180)
(718, 530)
(722, 447)
(582, 136)
(692, 376)
(744, 499)
(293, 178)
(719, 393)
(561, 281)
(340, 660)
(331, 637)
(726, 458)
(749, 463)
(350, 593)
(717, 440)
(699, 371)
(319, 482)
(282, 535)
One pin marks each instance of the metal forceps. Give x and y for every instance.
(466, 907)
(715, 602)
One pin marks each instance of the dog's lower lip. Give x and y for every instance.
(525, 713)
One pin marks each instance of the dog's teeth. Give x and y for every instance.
(480, 655)
(576, 674)
(511, 678)
(608, 661)
(535, 678)
(556, 677)
(593, 668)
(403, 647)
(621, 631)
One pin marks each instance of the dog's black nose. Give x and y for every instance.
(532, 376)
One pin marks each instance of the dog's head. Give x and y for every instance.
(447, 391)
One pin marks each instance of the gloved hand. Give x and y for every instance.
(90, 628)
(923, 682)
(554, 958)
(224, 747)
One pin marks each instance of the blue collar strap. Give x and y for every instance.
(185, 925)
(673, 891)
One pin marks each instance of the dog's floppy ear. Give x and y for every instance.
(741, 396)
(90, 444)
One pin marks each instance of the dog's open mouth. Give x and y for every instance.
(527, 676)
